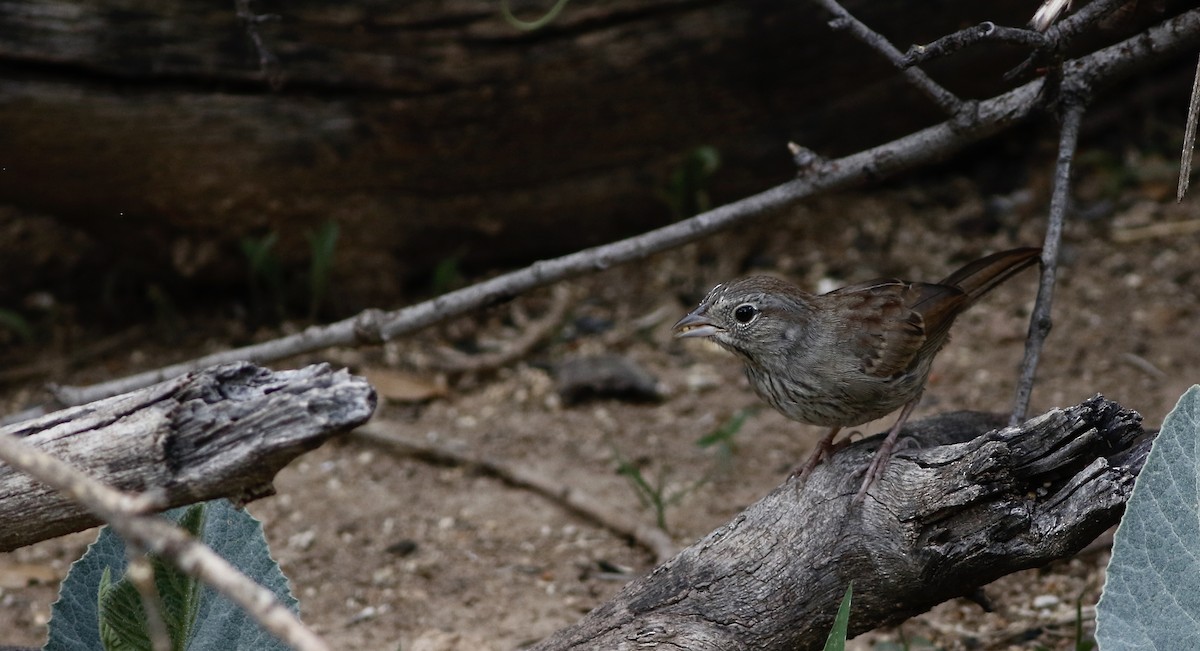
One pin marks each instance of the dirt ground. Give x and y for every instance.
(390, 552)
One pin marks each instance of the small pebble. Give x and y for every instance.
(366, 613)
(606, 377)
(302, 540)
(702, 377)
(402, 548)
(1045, 601)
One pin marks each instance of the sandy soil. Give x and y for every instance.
(389, 552)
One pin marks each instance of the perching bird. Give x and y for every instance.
(850, 356)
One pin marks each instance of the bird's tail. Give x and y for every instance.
(984, 274)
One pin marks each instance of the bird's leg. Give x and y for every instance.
(824, 451)
(884, 453)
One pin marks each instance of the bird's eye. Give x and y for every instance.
(745, 313)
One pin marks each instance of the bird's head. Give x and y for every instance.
(754, 317)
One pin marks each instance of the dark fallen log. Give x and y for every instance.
(431, 130)
(221, 432)
(968, 506)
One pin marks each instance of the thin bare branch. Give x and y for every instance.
(962, 39)
(934, 143)
(1062, 33)
(1039, 322)
(126, 513)
(1189, 138)
(1083, 20)
(140, 573)
(1055, 39)
(1144, 365)
(650, 538)
(843, 19)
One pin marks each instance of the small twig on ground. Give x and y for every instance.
(1189, 139)
(1142, 364)
(843, 19)
(535, 332)
(1154, 231)
(1039, 322)
(933, 143)
(1053, 40)
(653, 540)
(128, 515)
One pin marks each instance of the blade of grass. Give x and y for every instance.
(837, 635)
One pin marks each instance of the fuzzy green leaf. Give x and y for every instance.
(122, 619)
(1152, 591)
(197, 617)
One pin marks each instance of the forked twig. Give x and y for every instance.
(1054, 39)
(964, 38)
(843, 19)
(1059, 36)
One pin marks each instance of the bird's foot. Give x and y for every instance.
(825, 449)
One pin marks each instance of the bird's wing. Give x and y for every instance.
(886, 334)
(937, 305)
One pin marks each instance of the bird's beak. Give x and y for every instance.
(695, 325)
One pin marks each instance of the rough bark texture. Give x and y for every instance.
(945, 519)
(222, 432)
(427, 129)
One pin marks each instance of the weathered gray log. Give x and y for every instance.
(969, 506)
(221, 432)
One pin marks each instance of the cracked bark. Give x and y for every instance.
(221, 432)
(969, 505)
